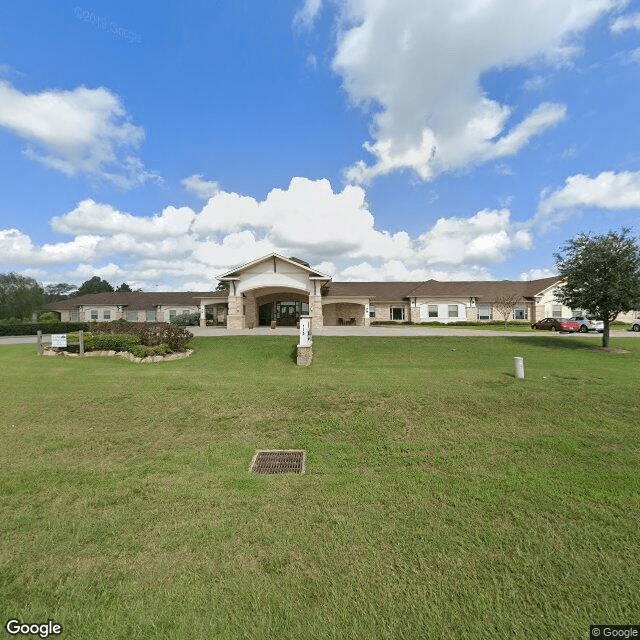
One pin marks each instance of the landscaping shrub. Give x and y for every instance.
(186, 319)
(162, 349)
(148, 334)
(32, 328)
(110, 342)
(140, 351)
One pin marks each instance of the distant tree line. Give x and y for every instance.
(22, 296)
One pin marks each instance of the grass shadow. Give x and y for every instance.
(558, 342)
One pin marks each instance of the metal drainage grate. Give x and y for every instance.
(278, 462)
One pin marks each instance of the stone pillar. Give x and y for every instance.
(315, 311)
(203, 315)
(235, 317)
(414, 314)
(251, 315)
(472, 314)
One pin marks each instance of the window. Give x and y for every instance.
(453, 310)
(94, 315)
(74, 315)
(172, 314)
(484, 312)
(132, 315)
(372, 311)
(151, 315)
(556, 311)
(521, 313)
(433, 310)
(396, 313)
(106, 314)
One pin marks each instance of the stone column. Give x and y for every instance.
(235, 317)
(203, 315)
(315, 311)
(414, 314)
(251, 315)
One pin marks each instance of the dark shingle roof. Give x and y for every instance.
(377, 290)
(484, 291)
(137, 300)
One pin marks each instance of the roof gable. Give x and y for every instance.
(297, 263)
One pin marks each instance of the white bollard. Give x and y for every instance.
(519, 368)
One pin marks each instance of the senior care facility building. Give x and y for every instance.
(276, 291)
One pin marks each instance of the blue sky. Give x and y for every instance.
(162, 144)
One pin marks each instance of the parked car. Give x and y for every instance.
(636, 325)
(556, 324)
(588, 323)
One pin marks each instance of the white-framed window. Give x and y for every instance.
(521, 312)
(132, 315)
(452, 310)
(172, 314)
(94, 315)
(74, 315)
(372, 311)
(433, 310)
(396, 313)
(484, 312)
(106, 314)
(151, 315)
(556, 311)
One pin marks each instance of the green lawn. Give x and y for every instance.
(443, 498)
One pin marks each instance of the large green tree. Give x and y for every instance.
(601, 275)
(94, 285)
(59, 291)
(20, 296)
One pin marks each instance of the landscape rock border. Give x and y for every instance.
(180, 355)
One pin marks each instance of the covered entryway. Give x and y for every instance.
(285, 307)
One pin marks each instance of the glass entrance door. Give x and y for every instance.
(287, 313)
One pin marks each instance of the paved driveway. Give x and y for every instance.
(384, 331)
(387, 331)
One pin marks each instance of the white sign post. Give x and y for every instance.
(305, 331)
(305, 348)
(58, 339)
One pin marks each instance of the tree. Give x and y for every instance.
(601, 275)
(94, 285)
(505, 305)
(124, 287)
(222, 286)
(20, 296)
(60, 291)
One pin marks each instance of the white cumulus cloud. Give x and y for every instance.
(335, 231)
(608, 190)
(79, 131)
(417, 67)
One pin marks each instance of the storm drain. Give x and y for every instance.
(278, 462)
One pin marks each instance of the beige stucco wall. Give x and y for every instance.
(422, 305)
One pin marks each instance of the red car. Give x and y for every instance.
(557, 324)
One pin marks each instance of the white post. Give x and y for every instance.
(305, 331)
(519, 368)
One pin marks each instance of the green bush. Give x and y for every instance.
(110, 342)
(186, 319)
(32, 328)
(140, 351)
(162, 349)
(149, 334)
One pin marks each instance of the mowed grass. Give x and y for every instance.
(443, 498)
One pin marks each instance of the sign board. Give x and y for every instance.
(58, 339)
(305, 331)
